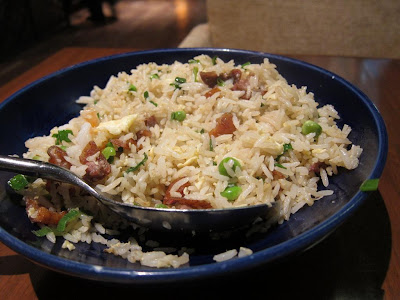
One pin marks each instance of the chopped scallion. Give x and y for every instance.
(142, 162)
(220, 82)
(42, 231)
(369, 185)
(146, 94)
(279, 166)
(160, 205)
(18, 182)
(132, 88)
(154, 76)
(195, 72)
(214, 60)
(152, 102)
(62, 135)
(193, 61)
(246, 64)
(68, 217)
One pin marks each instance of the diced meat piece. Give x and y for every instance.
(40, 214)
(316, 166)
(150, 121)
(179, 190)
(97, 169)
(212, 92)
(224, 125)
(143, 132)
(57, 157)
(241, 85)
(277, 175)
(183, 203)
(236, 74)
(123, 144)
(209, 78)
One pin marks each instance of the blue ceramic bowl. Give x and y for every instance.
(50, 101)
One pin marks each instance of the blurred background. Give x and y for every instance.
(32, 30)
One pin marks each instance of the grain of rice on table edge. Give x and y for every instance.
(201, 134)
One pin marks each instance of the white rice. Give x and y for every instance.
(186, 151)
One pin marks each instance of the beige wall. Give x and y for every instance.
(362, 28)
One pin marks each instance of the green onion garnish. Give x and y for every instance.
(193, 61)
(195, 71)
(42, 231)
(154, 76)
(68, 217)
(152, 102)
(211, 145)
(202, 131)
(279, 166)
(220, 82)
(146, 94)
(369, 185)
(132, 88)
(214, 60)
(18, 182)
(133, 169)
(286, 147)
(159, 205)
(62, 135)
(246, 64)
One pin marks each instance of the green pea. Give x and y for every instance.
(311, 126)
(231, 192)
(221, 167)
(178, 115)
(108, 152)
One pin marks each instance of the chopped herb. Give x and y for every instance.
(152, 102)
(214, 163)
(18, 182)
(63, 147)
(369, 185)
(62, 135)
(220, 82)
(211, 145)
(154, 76)
(68, 217)
(195, 71)
(286, 147)
(160, 205)
(42, 231)
(214, 60)
(202, 131)
(132, 88)
(95, 101)
(98, 116)
(262, 105)
(178, 82)
(146, 94)
(279, 166)
(133, 169)
(178, 115)
(193, 61)
(246, 64)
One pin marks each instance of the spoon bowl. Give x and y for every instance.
(162, 219)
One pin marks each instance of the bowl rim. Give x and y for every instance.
(185, 273)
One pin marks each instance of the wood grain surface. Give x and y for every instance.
(378, 78)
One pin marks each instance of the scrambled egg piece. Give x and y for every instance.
(116, 127)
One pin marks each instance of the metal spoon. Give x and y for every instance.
(154, 218)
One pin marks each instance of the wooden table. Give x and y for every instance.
(355, 262)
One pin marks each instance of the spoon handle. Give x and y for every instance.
(40, 169)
